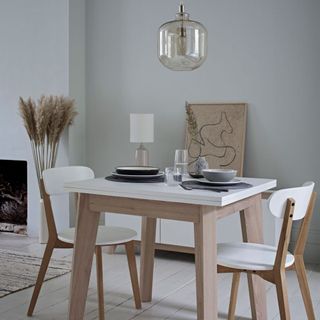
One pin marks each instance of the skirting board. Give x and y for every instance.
(174, 248)
(158, 246)
(311, 251)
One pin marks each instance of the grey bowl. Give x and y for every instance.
(219, 175)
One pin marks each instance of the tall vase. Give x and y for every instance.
(43, 226)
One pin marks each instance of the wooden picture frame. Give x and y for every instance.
(217, 132)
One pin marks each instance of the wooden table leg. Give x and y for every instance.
(85, 239)
(148, 236)
(206, 265)
(252, 231)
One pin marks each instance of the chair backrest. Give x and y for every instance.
(292, 204)
(55, 178)
(301, 195)
(52, 183)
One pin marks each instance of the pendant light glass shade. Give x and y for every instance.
(182, 43)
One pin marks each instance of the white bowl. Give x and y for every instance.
(219, 175)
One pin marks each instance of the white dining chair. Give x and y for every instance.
(268, 262)
(52, 184)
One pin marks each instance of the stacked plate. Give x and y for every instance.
(220, 183)
(137, 172)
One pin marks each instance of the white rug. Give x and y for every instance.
(19, 271)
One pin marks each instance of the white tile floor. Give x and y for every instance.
(174, 290)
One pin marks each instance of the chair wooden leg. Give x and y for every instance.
(282, 294)
(133, 273)
(100, 282)
(233, 296)
(303, 283)
(42, 272)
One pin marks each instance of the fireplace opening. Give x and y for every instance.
(13, 196)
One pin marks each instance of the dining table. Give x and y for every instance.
(157, 200)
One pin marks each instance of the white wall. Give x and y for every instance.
(33, 61)
(265, 53)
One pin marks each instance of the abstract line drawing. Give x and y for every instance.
(216, 132)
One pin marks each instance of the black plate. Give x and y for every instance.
(137, 170)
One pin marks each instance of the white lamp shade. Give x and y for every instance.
(141, 127)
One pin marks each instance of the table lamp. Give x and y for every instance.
(141, 131)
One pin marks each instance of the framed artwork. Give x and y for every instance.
(217, 132)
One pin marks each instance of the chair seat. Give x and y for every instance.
(106, 236)
(249, 256)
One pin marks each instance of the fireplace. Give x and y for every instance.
(13, 196)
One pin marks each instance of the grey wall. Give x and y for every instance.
(77, 87)
(77, 81)
(33, 61)
(265, 53)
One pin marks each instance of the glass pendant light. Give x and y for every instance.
(182, 43)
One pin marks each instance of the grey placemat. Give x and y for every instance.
(140, 180)
(208, 186)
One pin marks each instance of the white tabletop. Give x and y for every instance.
(162, 192)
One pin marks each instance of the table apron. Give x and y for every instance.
(162, 209)
(227, 210)
(148, 208)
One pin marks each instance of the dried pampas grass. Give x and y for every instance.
(45, 122)
(192, 122)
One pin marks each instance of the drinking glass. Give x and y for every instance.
(172, 176)
(181, 160)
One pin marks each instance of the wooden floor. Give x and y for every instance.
(174, 290)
